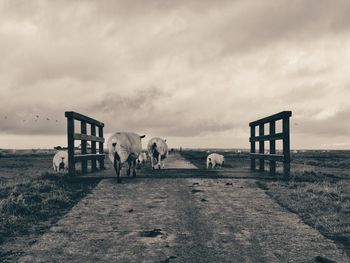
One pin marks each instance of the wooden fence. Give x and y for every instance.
(84, 157)
(271, 137)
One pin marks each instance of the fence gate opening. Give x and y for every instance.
(271, 137)
(84, 156)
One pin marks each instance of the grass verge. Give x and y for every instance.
(28, 208)
(324, 205)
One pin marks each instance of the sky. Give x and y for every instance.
(195, 72)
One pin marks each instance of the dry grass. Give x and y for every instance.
(29, 207)
(324, 205)
(327, 159)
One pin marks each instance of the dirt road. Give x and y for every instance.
(176, 219)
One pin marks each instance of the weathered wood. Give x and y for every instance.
(275, 117)
(286, 147)
(275, 157)
(81, 117)
(273, 146)
(272, 137)
(100, 147)
(268, 137)
(261, 148)
(85, 157)
(70, 144)
(85, 137)
(93, 147)
(83, 147)
(252, 148)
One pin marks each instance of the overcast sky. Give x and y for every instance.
(193, 71)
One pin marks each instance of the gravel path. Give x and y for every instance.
(181, 220)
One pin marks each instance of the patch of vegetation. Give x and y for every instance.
(31, 206)
(312, 176)
(322, 204)
(329, 159)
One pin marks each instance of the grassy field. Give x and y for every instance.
(326, 159)
(318, 190)
(323, 204)
(32, 199)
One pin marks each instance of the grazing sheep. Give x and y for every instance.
(215, 159)
(124, 147)
(141, 160)
(157, 150)
(60, 161)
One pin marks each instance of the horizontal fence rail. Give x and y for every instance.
(84, 157)
(272, 157)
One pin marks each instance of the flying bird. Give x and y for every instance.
(47, 119)
(37, 116)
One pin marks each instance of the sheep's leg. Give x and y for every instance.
(117, 170)
(152, 162)
(129, 168)
(159, 161)
(117, 167)
(134, 168)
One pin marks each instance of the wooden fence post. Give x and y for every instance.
(272, 147)
(252, 148)
(100, 134)
(70, 136)
(83, 147)
(93, 148)
(261, 147)
(286, 147)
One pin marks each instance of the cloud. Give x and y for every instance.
(192, 70)
(119, 104)
(255, 25)
(336, 125)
